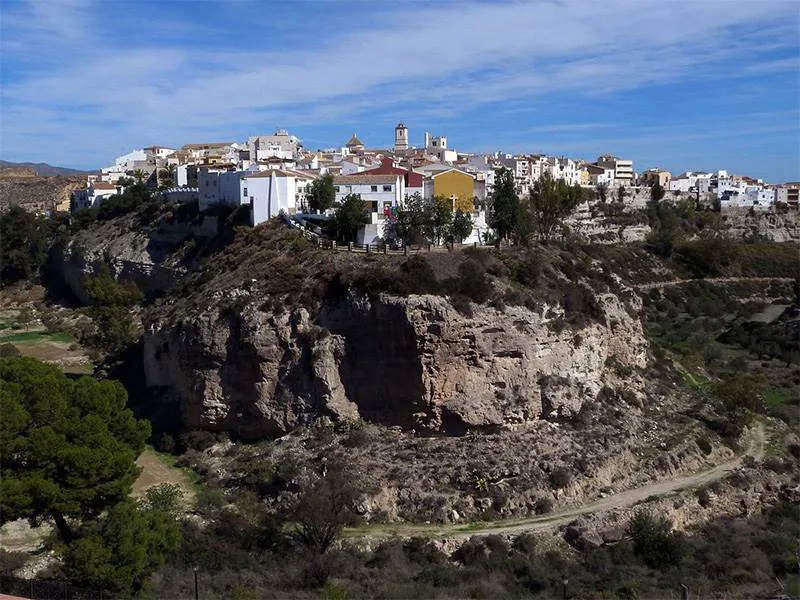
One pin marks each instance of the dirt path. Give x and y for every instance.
(623, 499)
(155, 471)
(673, 282)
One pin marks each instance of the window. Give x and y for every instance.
(336, 187)
(373, 188)
(245, 192)
(387, 188)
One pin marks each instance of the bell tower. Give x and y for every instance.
(400, 138)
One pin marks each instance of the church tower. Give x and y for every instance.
(400, 138)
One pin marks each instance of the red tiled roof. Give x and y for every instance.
(412, 179)
(359, 178)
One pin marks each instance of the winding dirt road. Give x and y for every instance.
(623, 499)
(673, 282)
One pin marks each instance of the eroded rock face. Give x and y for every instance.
(414, 362)
(128, 255)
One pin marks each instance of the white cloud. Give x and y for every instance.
(430, 60)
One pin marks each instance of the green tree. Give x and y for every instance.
(24, 243)
(348, 217)
(549, 203)
(412, 223)
(657, 192)
(132, 197)
(8, 349)
(120, 552)
(139, 175)
(326, 506)
(654, 541)
(601, 191)
(166, 177)
(665, 225)
(504, 205)
(67, 447)
(739, 399)
(462, 226)
(622, 193)
(110, 309)
(321, 193)
(441, 218)
(166, 498)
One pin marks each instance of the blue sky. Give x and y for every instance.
(680, 84)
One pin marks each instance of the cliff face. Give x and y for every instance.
(772, 227)
(129, 255)
(414, 362)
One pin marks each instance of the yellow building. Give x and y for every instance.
(456, 185)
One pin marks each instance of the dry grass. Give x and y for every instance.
(156, 471)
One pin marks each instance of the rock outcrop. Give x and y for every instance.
(410, 361)
(129, 255)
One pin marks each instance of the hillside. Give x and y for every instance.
(36, 193)
(550, 390)
(40, 169)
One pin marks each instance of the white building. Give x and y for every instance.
(563, 168)
(623, 169)
(274, 191)
(126, 161)
(279, 144)
(93, 195)
(219, 184)
(600, 175)
(789, 194)
(381, 195)
(436, 145)
(207, 151)
(158, 152)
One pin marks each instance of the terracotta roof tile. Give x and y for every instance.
(365, 179)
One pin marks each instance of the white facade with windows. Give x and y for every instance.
(623, 169)
(280, 144)
(218, 186)
(93, 195)
(271, 192)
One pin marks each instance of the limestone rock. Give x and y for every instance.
(415, 362)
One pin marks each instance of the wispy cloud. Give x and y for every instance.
(81, 72)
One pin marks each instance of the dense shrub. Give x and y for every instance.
(581, 306)
(472, 282)
(654, 541)
(560, 478)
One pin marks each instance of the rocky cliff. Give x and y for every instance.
(412, 361)
(129, 253)
(771, 226)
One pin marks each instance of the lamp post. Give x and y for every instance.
(196, 588)
(565, 582)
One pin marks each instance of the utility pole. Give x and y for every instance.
(684, 592)
(196, 589)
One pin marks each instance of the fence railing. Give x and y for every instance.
(387, 249)
(46, 589)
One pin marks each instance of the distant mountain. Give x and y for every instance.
(42, 169)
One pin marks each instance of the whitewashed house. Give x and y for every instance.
(381, 195)
(273, 191)
(219, 184)
(599, 175)
(94, 194)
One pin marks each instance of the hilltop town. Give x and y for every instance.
(512, 367)
(272, 175)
